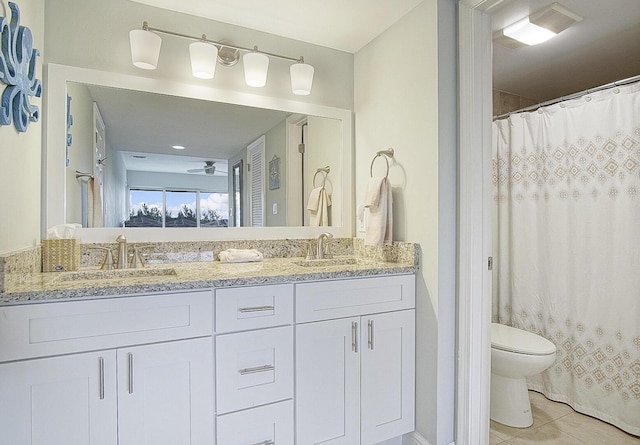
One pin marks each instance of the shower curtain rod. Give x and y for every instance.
(572, 96)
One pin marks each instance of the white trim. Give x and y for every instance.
(474, 302)
(415, 438)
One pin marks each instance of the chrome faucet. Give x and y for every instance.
(322, 250)
(123, 256)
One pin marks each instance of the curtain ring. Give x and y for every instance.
(386, 175)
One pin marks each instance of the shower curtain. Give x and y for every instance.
(567, 246)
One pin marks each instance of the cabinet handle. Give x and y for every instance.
(370, 334)
(354, 336)
(256, 369)
(101, 389)
(256, 309)
(130, 355)
(265, 442)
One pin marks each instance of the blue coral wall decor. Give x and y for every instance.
(18, 72)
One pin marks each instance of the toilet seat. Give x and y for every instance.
(507, 338)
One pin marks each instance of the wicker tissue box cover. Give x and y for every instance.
(60, 255)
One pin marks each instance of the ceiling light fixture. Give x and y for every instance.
(145, 50)
(178, 147)
(526, 32)
(537, 27)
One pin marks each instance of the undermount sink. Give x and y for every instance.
(324, 262)
(95, 274)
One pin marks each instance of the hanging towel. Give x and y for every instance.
(94, 205)
(379, 201)
(318, 207)
(240, 256)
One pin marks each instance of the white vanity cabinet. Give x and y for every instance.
(148, 379)
(355, 360)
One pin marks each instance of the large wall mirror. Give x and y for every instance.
(162, 160)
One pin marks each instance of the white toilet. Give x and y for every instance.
(515, 354)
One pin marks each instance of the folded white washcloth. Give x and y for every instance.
(240, 256)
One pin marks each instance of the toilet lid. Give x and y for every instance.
(511, 339)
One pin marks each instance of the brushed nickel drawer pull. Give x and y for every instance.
(265, 442)
(130, 373)
(256, 309)
(370, 334)
(256, 369)
(354, 336)
(101, 391)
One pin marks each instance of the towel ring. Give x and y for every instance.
(386, 154)
(325, 171)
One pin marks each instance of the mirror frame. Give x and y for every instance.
(53, 155)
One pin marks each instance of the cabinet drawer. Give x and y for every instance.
(346, 298)
(245, 308)
(265, 425)
(253, 368)
(63, 327)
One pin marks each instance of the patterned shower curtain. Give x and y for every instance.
(567, 246)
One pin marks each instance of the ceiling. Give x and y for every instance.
(602, 48)
(346, 25)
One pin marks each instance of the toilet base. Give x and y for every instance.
(510, 403)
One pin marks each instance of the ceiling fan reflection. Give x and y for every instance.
(208, 169)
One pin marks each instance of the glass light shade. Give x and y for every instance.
(256, 66)
(145, 48)
(301, 78)
(203, 59)
(528, 33)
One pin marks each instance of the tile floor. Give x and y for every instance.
(557, 424)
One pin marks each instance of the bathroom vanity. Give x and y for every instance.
(305, 355)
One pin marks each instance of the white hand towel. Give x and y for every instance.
(314, 199)
(240, 256)
(379, 202)
(320, 215)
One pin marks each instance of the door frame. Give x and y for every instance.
(474, 219)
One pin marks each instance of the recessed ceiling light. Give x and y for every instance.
(178, 147)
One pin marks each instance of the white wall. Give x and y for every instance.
(276, 145)
(20, 160)
(396, 105)
(95, 34)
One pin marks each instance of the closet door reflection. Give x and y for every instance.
(236, 181)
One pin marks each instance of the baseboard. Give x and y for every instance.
(415, 438)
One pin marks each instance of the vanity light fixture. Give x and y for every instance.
(537, 27)
(145, 50)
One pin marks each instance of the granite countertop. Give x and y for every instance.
(91, 282)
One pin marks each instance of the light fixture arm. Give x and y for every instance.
(203, 38)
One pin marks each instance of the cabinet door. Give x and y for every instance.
(165, 393)
(388, 375)
(59, 400)
(328, 382)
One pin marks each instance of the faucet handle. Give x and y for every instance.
(137, 260)
(107, 262)
(310, 255)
